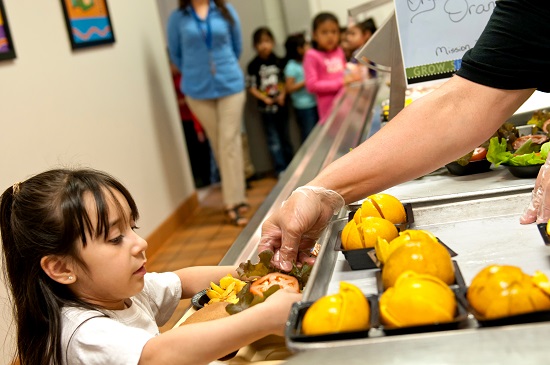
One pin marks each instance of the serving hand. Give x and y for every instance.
(539, 207)
(291, 232)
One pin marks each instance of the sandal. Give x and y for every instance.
(234, 217)
(242, 208)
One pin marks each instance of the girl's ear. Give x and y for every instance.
(58, 268)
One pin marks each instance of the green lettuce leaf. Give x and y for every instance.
(497, 153)
(249, 271)
(247, 299)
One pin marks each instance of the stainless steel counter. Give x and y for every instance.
(476, 215)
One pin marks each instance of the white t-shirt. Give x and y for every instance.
(117, 337)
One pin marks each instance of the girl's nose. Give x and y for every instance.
(140, 245)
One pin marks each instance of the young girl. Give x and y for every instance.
(357, 35)
(76, 270)
(325, 65)
(303, 101)
(266, 84)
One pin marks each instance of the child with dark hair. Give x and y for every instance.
(325, 64)
(75, 267)
(357, 35)
(303, 101)
(265, 82)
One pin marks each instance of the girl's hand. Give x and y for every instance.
(281, 99)
(268, 100)
(279, 304)
(352, 77)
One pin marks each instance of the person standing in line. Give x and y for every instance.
(357, 35)
(266, 84)
(325, 64)
(204, 40)
(305, 106)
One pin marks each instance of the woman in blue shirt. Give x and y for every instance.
(204, 39)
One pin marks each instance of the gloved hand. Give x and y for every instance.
(292, 231)
(539, 207)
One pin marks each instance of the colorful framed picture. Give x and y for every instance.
(7, 50)
(88, 22)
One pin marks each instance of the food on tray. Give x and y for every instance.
(528, 154)
(381, 205)
(261, 285)
(541, 120)
(226, 291)
(348, 310)
(548, 228)
(500, 290)
(208, 313)
(364, 235)
(536, 139)
(417, 299)
(415, 250)
(249, 271)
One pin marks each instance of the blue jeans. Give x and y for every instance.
(277, 133)
(306, 118)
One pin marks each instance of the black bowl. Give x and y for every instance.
(474, 167)
(524, 171)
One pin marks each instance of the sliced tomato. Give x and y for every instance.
(479, 154)
(275, 278)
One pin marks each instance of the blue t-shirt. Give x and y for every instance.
(301, 99)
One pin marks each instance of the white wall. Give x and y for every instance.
(109, 107)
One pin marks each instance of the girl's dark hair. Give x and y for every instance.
(323, 17)
(367, 26)
(46, 215)
(219, 3)
(258, 33)
(293, 42)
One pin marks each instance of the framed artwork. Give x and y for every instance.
(88, 22)
(7, 50)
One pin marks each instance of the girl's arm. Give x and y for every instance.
(293, 86)
(196, 278)
(258, 95)
(314, 77)
(201, 343)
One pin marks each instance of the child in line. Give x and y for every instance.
(325, 64)
(76, 271)
(266, 84)
(357, 35)
(303, 101)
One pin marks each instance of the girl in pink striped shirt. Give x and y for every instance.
(325, 64)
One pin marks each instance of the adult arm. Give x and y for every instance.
(314, 83)
(434, 130)
(236, 36)
(174, 41)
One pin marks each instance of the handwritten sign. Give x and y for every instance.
(435, 34)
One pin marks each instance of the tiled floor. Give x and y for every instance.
(206, 236)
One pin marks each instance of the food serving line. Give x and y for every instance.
(477, 216)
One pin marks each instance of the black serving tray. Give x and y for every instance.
(294, 332)
(474, 167)
(531, 317)
(461, 317)
(543, 234)
(524, 172)
(459, 285)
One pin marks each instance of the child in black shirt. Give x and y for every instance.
(266, 83)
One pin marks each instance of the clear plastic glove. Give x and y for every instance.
(539, 207)
(291, 232)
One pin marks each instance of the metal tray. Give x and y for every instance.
(483, 230)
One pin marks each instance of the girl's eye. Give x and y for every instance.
(134, 227)
(117, 239)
